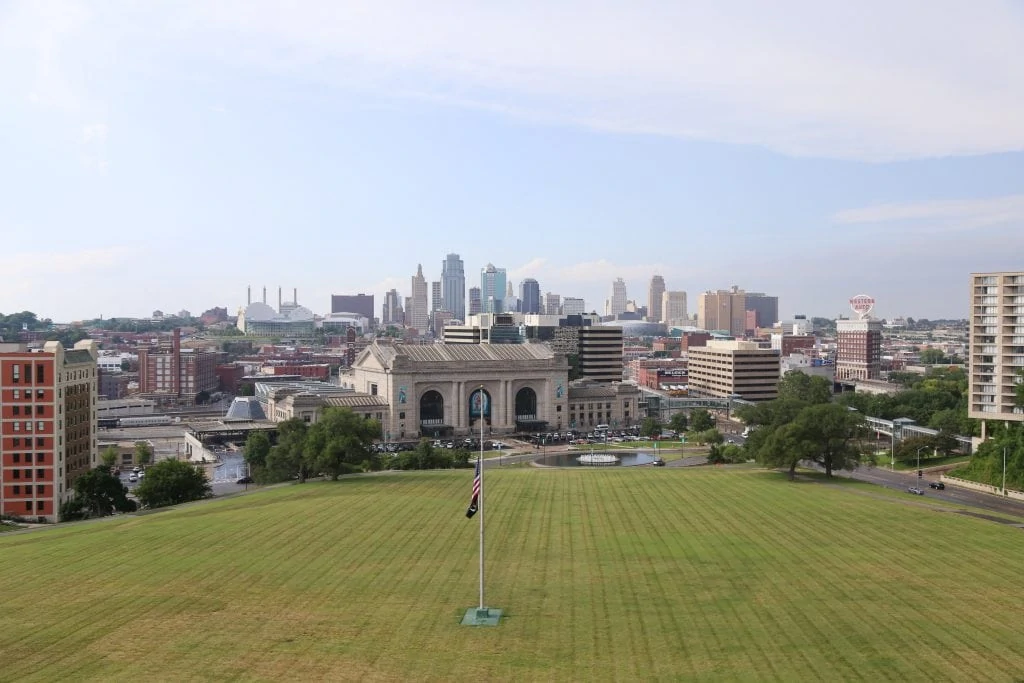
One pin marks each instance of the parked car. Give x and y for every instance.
(133, 477)
(937, 485)
(916, 491)
(658, 463)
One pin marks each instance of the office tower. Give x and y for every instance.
(600, 352)
(352, 303)
(453, 286)
(436, 298)
(172, 375)
(725, 368)
(766, 308)
(492, 288)
(996, 348)
(48, 401)
(654, 298)
(859, 344)
(407, 312)
(616, 304)
(673, 308)
(529, 296)
(392, 311)
(475, 302)
(572, 305)
(419, 315)
(552, 304)
(723, 310)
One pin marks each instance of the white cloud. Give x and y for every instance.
(951, 214)
(868, 80)
(94, 132)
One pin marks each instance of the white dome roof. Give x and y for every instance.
(300, 313)
(259, 311)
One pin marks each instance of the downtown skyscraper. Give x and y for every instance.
(529, 296)
(418, 313)
(492, 289)
(654, 294)
(453, 286)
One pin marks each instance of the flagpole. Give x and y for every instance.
(480, 462)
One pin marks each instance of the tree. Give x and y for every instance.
(830, 430)
(171, 482)
(247, 390)
(701, 420)
(341, 442)
(678, 422)
(286, 459)
(932, 356)
(143, 453)
(708, 436)
(726, 453)
(808, 388)
(109, 457)
(202, 398)
(650, 427)
(99, 493)
(257, 448)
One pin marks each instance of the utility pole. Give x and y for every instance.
(1004, 470)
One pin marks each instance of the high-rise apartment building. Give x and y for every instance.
(552, 304)
(171, 375)
(616, 303)
(996, 351)
(492, 288)
(419, 313)
(723, 310)
(859, 349)
(453, 286)
(673, 308)
(476, 305)
(725, 368)
(47, 425)
(572, 305)
(529, 296)
(765, 308)
(654, 299)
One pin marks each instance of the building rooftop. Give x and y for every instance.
(447, 353)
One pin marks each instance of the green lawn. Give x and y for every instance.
(622, 573)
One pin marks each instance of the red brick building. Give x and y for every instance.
(169, 374)
(229, 377)
(47, 426)
(311, 371)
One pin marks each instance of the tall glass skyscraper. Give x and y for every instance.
(529, 296)
(453, 286)
(492, 288)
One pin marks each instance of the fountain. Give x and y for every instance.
(597, 459)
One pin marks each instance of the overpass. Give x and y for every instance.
(662, 407)
(904, 428)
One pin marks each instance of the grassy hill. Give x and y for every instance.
(604, 574)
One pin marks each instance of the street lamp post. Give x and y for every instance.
(1004, 470)
(919, 465)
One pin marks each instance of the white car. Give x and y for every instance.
(133, 477)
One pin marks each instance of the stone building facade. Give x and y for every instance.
(441, 390)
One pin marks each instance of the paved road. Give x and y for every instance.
(901, 480)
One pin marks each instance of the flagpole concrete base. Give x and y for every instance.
(486, 616)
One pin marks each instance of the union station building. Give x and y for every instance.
(440, 390)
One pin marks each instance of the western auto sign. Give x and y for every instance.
(862, 305)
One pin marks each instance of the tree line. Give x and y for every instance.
(340, 442)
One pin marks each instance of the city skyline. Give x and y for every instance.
(713, 146)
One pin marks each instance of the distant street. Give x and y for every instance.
(901, 480)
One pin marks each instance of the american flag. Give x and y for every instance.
(471, 510)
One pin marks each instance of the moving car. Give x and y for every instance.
(937, 485)
(916, 491)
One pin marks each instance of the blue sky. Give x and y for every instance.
(168, 155)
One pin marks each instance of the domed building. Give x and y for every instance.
(260, 320)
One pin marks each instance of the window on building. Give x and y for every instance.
(17, 426)
(28, 457)
(401, 415)
(15, 373)
(40, 474)
(16, 441)
(40, 457)
(16, 457)
(41, 489)
(558, 409)
(40, 442)
(28, 426)
(17, 489)
(373, 389)
(28, 505)
(39, 426)
(40, 374)
(17, 394)
(39, 393)
(39, 410)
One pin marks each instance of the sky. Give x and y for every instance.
(168, 155)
